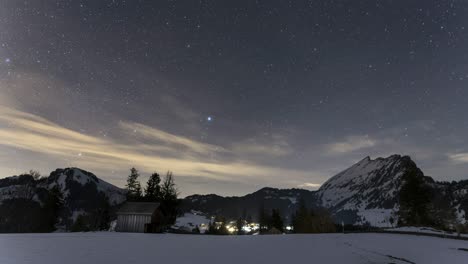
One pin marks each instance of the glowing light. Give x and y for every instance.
(209, 119)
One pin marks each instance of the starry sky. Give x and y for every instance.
(232, 95)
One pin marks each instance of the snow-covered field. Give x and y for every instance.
(125, 248)
(424, 230)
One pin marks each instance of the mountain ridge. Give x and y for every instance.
(366, 193)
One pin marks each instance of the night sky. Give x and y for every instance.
(232, 95)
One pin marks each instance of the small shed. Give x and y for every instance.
(139, 217)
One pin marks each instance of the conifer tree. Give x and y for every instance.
(153, 189)
(263, 220)
(310, 221)
(239, 225)
(276, 221)
(52, 207)
(415, 198)
(133, 186)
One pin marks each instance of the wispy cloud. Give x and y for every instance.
(459, 158)
(157, 150)
(309, 185)
(350, 144)
(272, 145)
(173, 141)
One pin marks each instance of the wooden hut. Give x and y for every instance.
(139, 218)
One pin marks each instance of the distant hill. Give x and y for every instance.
(84, 195)
(367, 193)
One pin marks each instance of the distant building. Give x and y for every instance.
(139, 218)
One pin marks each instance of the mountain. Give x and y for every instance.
(78, 184)
(84, 196)
(367, 193)
(249, 205)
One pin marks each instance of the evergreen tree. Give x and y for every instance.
(308, 221)
(301, 220)
(153, 189)
(52, 207)
(169, 201)
(276, 221)
(133, 186)
(263, 220)
(239, 225)
(415, 198)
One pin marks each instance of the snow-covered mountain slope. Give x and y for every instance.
(17, 187)
(367, 192)
(70, 178)
(83, 193)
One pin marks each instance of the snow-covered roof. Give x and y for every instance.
(138, 208)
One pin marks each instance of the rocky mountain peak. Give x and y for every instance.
(368, 190)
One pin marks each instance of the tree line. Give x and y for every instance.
(162, 191)
(424, 205)
(271, 221)
(23, 214)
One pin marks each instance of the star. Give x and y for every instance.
(209, 119)
(7, 60)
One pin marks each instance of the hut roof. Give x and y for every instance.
(138, 208)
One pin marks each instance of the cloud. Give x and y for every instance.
(138, 145)
(350, 144)
(161, 137)
(308, 185)
(273, 145)
(459, 158)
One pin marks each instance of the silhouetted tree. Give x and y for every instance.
(22, 216)
(153, 189)
(263, 219)
(169, 201)
(308, 221)
(415, 198)
(52, 206)
(276, 221)
(133, 186)
(239, 225)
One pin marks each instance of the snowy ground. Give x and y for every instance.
(424, 230)
(116, 248)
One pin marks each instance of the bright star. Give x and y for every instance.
(209, 119)
(7, 60)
